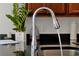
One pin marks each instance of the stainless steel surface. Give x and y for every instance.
(55, 52)
(66, 52)
(55, 25)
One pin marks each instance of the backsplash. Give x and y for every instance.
(78, 38)
(3, 36)
(46, 38)
(51, 39)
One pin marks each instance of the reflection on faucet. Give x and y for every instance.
(55, 24)
(36, 32)
(37, 42)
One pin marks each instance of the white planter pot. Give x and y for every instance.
(21, 38)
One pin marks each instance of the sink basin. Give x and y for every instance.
(55, 51)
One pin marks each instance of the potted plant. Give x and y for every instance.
(18, 18)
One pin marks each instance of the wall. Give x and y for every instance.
(5, 24)
(44, 23)
(5, 27)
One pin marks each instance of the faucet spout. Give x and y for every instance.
(55, 24)
(55, 21)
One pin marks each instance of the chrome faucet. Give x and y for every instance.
(55, 24)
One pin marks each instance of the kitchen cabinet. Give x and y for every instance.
(58, 8)
(74, 8)
(34, 6)
(64, 9)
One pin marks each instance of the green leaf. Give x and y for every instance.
(19, 16)
(15, 9)
(12, 19)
